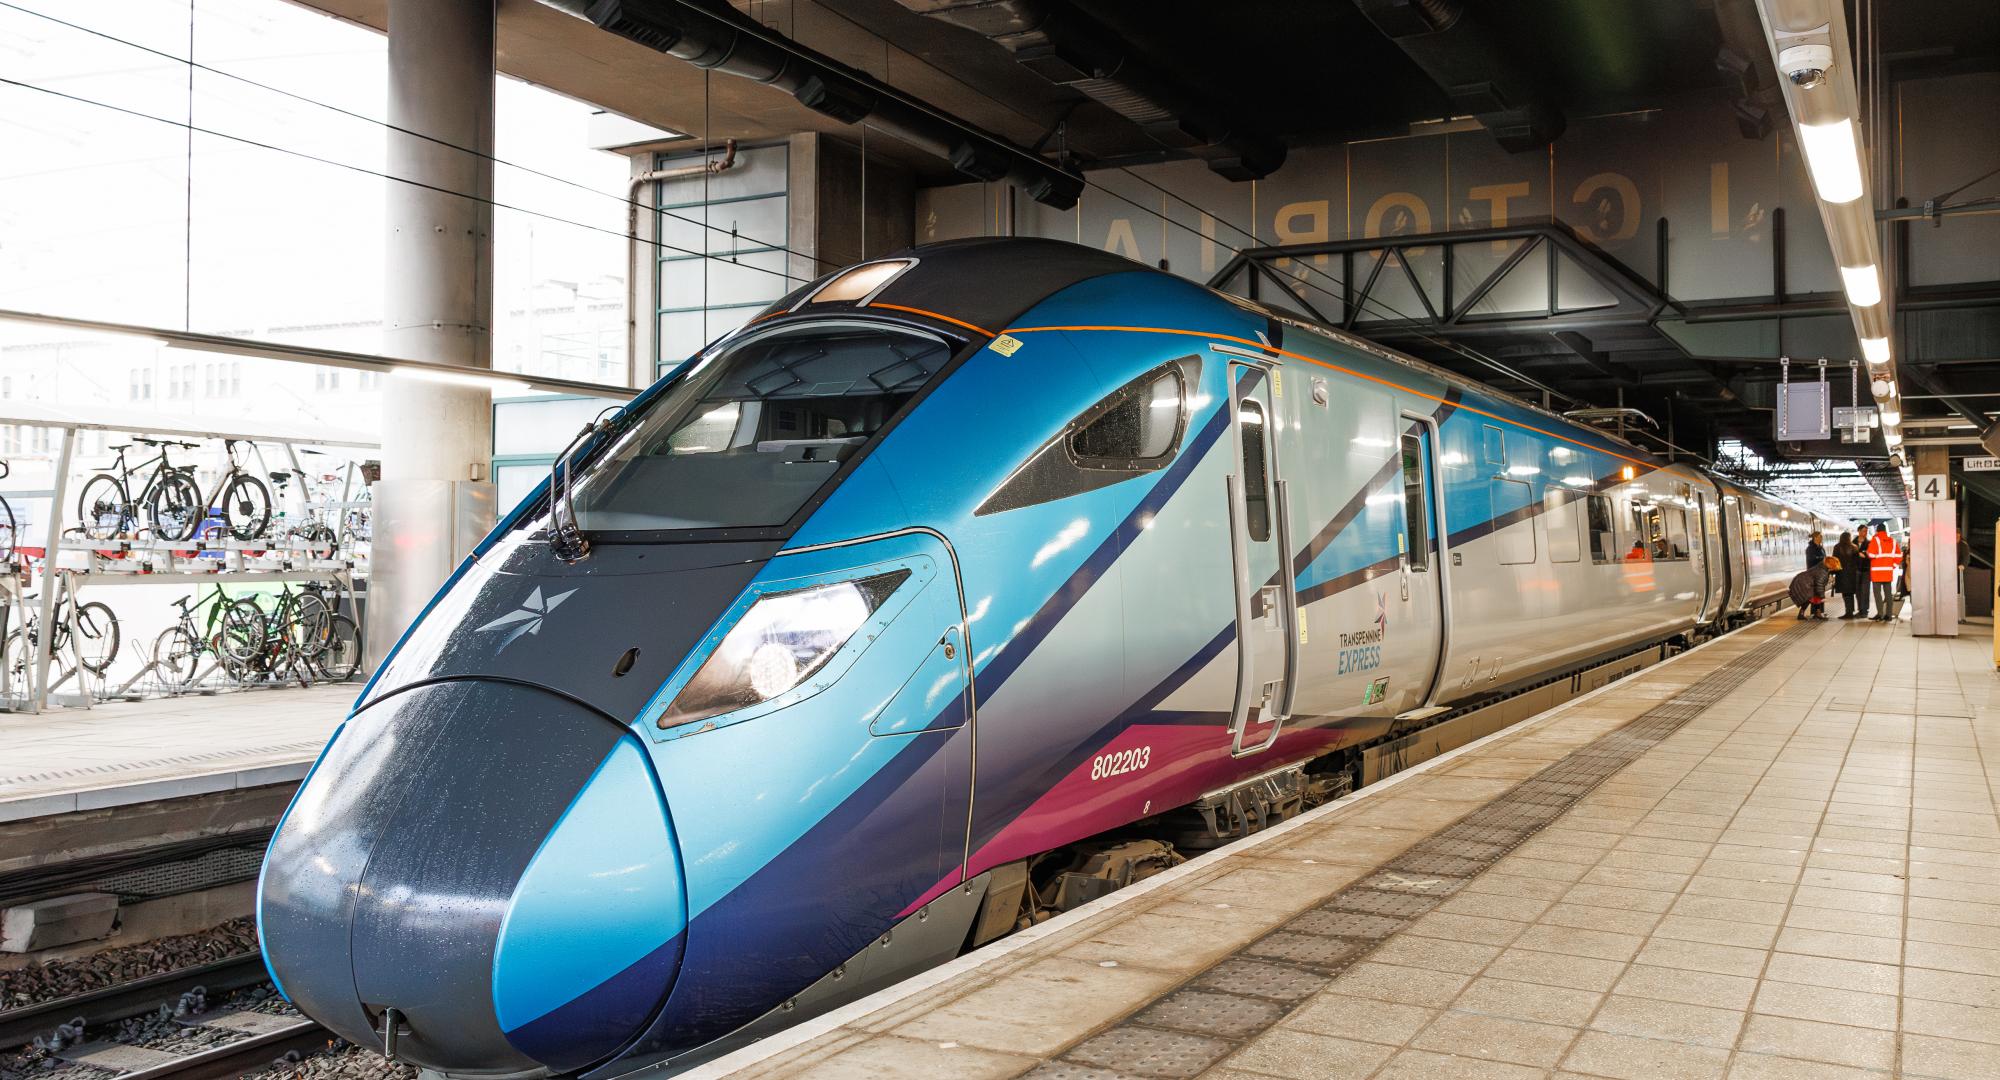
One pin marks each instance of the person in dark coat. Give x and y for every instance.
(1816, 574)
(1861, 572)
(1847, 579)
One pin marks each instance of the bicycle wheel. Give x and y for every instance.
(310, 619)
(177, 656)
(176, 508)
(103, 509)
(6, 532)
(246, 506)
(16, 653)
(341, 657)
(96, 630)
(241, 636)
(320, 541)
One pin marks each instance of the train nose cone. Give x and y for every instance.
(493, 862)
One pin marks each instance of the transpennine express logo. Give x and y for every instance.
(526, 619)
(1361, 650)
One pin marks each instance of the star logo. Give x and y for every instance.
(527, 619)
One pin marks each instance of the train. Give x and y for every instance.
(791, 679)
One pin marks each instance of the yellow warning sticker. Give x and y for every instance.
(1277, 384)
(1006, 345)
(1302, 628)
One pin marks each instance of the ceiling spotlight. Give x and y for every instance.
(1892, 416)
(1875, 349)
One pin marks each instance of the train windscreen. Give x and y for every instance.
(756, 428)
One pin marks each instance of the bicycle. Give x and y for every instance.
(91, 627)
(306, 638)
(319, 539)
(171, 496)
(233, 634)
(7, 524)
(303, 618)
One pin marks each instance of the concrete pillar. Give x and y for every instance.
(435, 498)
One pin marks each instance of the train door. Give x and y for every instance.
(1709, 561)
(1260, 543)
(1739, 553)
(1420, 630)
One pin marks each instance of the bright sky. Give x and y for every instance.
(94, 204)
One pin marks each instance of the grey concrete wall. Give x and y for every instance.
(1611, 178)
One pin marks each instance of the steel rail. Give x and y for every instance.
(135, 997)
(234, 1059)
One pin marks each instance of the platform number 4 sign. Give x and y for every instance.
(1933, 487)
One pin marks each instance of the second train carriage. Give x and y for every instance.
(944, 561)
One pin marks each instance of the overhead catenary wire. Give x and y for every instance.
(194, 65)
(365, 171)
(1376, 302)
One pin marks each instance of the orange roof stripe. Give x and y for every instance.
(1334, 367)
(935, 315)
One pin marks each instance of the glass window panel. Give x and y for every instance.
(744, 279)
(732, 226)
(1139, 424)
(522, 428)
(751, 435)
(1416, 527)
(1256, 480)
(684, 333)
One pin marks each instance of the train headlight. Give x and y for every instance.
(778, 643)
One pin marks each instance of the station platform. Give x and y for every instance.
(122, 753)
(1776, 856)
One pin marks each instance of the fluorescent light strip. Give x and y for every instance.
(1834, 158)
(1863, 284)
(471, 379)
(1875, 349)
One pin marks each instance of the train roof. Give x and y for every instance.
(1016, 273)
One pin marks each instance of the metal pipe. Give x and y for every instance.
(721, 38)
(633, 272)
(713, 168)
(38, 698)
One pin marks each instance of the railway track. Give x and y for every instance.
(265, 1036)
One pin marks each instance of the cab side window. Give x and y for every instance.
(1136, 429)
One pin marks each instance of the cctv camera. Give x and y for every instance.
(1806, 65)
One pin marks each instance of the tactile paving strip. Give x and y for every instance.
(1241, 996)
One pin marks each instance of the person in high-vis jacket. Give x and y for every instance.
(1884, 556)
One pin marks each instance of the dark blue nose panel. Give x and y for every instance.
(389, 881)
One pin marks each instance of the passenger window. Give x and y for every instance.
(1565, 539)
(1677, 532)
(1256, 478)
(1135, 430)
(1649, 532)
(1415, 517)
(1603, 539)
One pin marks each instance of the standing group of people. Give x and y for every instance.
(1860, 563)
